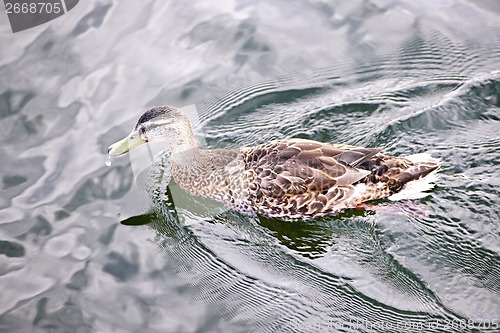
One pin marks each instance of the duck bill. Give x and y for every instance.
(125, 145)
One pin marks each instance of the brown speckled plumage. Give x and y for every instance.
(290, 179)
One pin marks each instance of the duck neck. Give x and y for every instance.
(188, 157)
(186, 146)
(191, 169)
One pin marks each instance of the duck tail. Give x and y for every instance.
(418, 178)
(423, 158)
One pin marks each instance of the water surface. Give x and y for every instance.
(83, 248)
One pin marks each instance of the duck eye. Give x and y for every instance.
(142, 133)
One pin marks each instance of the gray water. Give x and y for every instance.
(83, 248)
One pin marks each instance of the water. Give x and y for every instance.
(83, 249)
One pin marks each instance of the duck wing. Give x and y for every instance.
(297, 166)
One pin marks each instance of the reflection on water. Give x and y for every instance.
(410, 77)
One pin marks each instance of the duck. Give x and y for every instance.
(286, 179)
